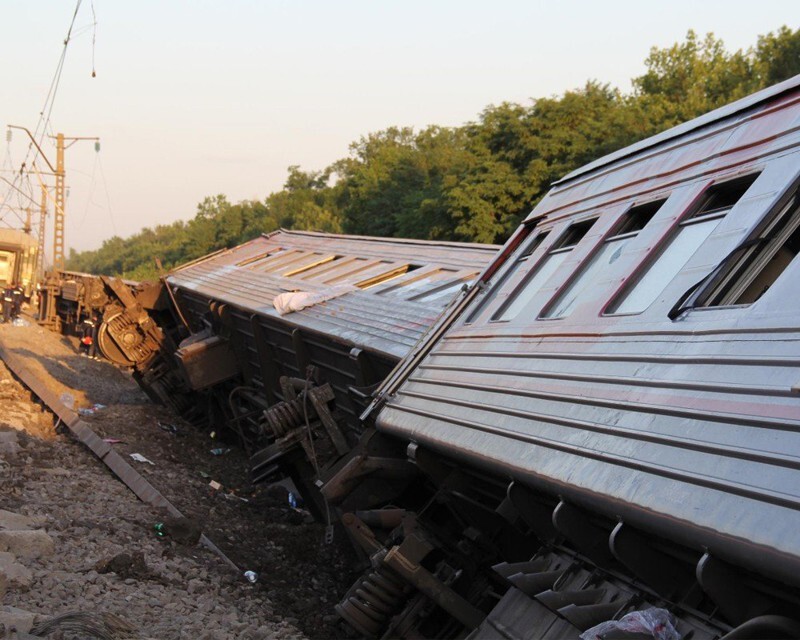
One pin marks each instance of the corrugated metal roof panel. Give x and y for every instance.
(379, 316)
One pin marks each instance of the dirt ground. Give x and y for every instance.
(182, 590)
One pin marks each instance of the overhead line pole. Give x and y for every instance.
(59, 171)
(42, 220)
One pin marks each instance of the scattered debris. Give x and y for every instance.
(219, 451)
(67, 399)
(169, 428)
(91, 410)
(114, 441)
(216, 486)
(189, 593)
(650, 623)
(251, 576)
(140, 458)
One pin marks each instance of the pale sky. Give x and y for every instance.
(197, 98)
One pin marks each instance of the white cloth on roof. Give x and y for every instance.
(296, 300)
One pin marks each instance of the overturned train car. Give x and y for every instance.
(68, 299)
(611, 416)
(602, 425)
(211, 342)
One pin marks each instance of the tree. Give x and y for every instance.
(306, 202)
(778, 56)
(696, 76)
(394, 182)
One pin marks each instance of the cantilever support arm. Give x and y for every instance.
(30, 135)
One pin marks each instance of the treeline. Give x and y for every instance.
(475, 182)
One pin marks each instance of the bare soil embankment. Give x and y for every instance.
(107, 557)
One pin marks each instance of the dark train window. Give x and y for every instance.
(757, 263)
(607, 254)
(536, 279)
(691, 233)
(533, 245)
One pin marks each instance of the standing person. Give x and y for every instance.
(16, 301)
(87, 340)
(93, 346)
(8, 304)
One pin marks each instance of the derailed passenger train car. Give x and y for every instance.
(211, 343)
(611, 415)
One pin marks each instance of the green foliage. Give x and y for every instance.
(778, 56)
(306, 203)
(395, 181)
(475, 182)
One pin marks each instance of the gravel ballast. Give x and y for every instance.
(84, 543)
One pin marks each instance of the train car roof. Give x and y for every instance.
(393, 288)
(723, 113)
(17, 237)
(67, 275)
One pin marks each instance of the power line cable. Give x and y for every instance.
(108, 196)
(44, 120)
(94, 37)
(90, 199)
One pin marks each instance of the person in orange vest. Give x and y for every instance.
(87, 337)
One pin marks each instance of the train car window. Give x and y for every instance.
(253, 259)
(607, 254)
(442, 295)
(757, 263)
(386, 273)
(536, 279)
(533, 245)
(690, 235)
(524, 257)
